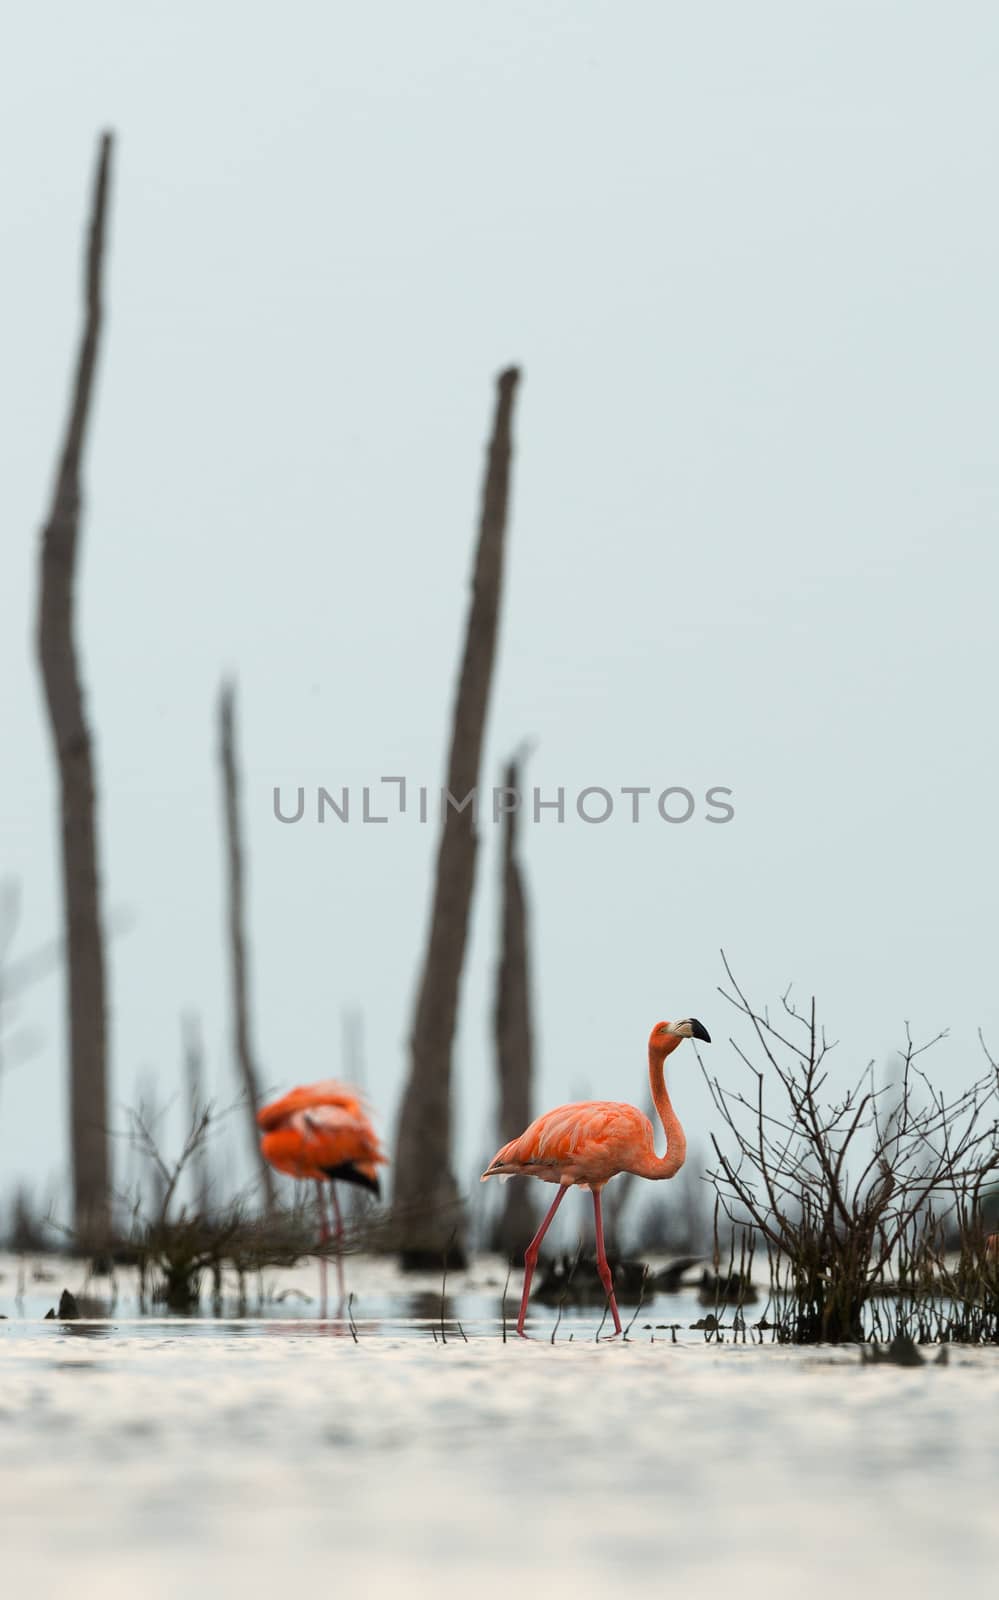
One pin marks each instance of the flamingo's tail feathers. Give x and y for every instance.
(363, 1174)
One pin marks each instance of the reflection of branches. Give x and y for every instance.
(840, 1188)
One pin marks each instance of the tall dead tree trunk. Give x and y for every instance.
(245, 1061)
(194, 1074)
(427, 1211)
(514, 1041)
(352, 1032)
(355, 1200)
(57, 657)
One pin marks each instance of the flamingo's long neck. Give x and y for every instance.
(666, 1166)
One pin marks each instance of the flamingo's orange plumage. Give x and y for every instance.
(322, 1132)
(585, 1144)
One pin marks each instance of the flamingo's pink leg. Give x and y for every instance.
(531, 1257)
(324, 1234)
(602, 1265)
(338, 1238)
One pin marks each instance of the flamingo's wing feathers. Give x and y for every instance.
(309, 1144)
(308, 1096)
(589, 1139)
(335, 1135)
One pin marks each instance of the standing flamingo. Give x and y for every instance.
(322, 1132)
(589, 1143)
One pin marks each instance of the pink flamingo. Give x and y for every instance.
(322, 1132)
(589, 1143)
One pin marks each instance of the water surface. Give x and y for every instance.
(243, 1455)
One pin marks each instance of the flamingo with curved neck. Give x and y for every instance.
(588, 1143)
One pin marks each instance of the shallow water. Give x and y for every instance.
(163, 1457)
(378, 1294)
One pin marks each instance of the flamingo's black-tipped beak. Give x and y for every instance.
(699, 1031)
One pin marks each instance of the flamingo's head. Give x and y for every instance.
(667, 1035)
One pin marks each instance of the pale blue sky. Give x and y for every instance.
(747, 257)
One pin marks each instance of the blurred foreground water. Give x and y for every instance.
(167, 1457)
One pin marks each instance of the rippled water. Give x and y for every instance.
(241, 1457)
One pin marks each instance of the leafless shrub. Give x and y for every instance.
(174, 1249)
(851, 1196)
(178, 1245)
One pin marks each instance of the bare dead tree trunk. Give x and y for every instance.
(514, 1041)
(10, 906)
(194, 1073)
(352, 1032)
(428, 1214)
(56, 646)
(355, 1200)
(237, 937)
